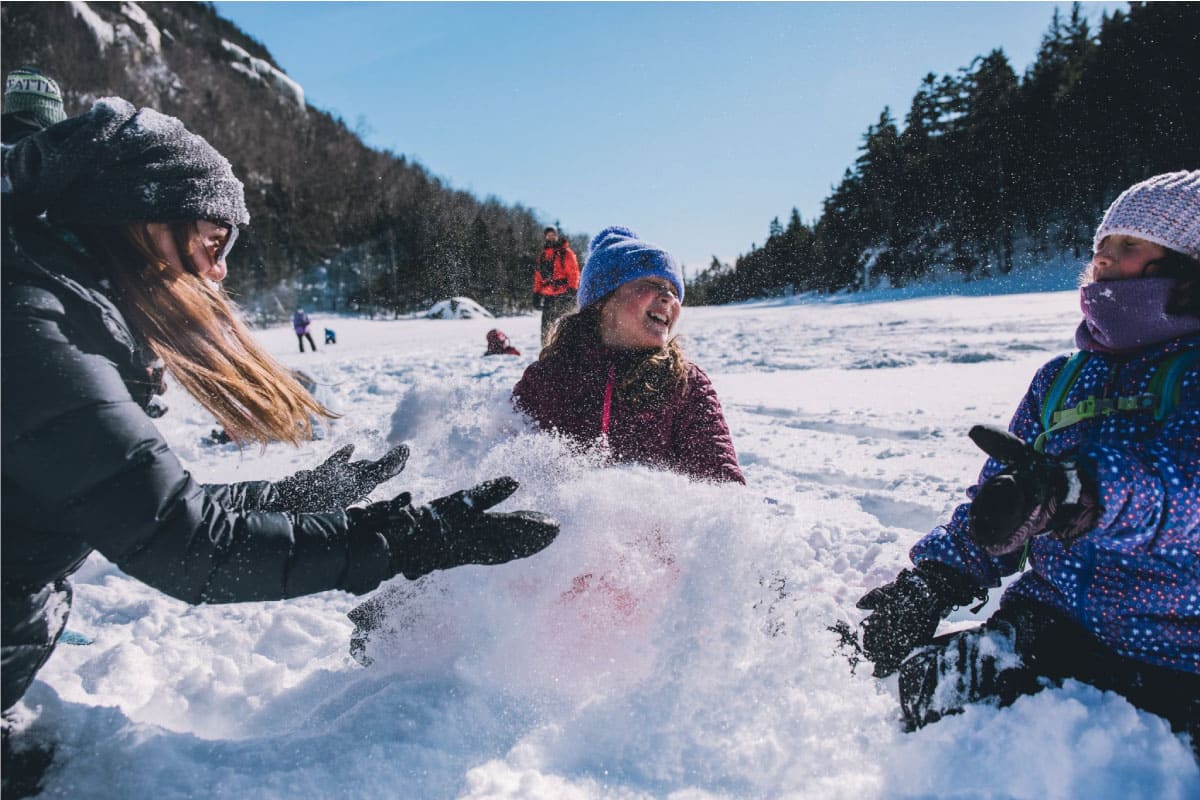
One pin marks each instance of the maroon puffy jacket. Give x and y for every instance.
(686, 433)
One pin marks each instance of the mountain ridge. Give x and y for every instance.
(335, 223)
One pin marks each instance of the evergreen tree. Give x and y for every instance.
(988, 160)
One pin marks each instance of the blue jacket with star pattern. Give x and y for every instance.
(1133, 581)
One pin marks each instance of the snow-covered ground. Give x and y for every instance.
(671, 643)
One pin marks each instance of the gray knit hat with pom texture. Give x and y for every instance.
(117, 164)
(1164, 209)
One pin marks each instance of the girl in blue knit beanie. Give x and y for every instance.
(614, 372)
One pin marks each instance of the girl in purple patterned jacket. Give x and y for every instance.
(1096, 487)
(614, 373)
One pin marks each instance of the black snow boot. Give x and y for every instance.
(1033, 647)
(24, 763)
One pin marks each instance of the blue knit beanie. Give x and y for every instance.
(616, 257)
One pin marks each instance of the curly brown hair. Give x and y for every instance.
(644, 377)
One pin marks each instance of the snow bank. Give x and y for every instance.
(103, 31)
(260, 70)
(457, 308)
(671, 643)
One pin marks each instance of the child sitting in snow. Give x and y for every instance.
(1097, 487)
(498, 344)
(613, 372)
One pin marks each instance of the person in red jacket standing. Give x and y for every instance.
(614, 374)
(555, 281)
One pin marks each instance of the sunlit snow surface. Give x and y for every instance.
(671, 643)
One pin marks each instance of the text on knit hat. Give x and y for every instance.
(31, 95)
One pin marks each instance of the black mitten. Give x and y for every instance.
(906, 612)
(336, 483)
(454, 530)
(1034, 494)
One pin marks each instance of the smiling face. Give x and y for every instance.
(1121, 257)
(640, 314)
(205, 243)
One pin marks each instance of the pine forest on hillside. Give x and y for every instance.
(989, 169)
(333, 220)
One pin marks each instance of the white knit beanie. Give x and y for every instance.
(1164, 209)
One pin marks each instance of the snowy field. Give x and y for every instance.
(671, 644)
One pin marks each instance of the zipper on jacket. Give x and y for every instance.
(606, 412)
(1086, 578)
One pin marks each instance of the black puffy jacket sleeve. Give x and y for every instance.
(86, 459)
(244, 496)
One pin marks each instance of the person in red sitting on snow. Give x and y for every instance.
(498, 344)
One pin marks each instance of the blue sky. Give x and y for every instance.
(693, 123)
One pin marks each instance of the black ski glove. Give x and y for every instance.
(906, 612)
(336, 483)
(454, 530)
(1035, 494)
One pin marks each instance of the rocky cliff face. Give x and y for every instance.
(314, 190)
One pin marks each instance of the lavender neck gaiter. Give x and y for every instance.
(1123, 316)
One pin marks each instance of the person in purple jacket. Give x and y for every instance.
(614, 374)
(300, 324)
(1096, 487)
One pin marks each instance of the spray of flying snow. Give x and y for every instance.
(670, 643)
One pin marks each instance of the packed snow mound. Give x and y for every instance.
(458, 308)
(671, 643)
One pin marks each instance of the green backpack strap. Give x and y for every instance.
(1166, 384)
(1161, 396)
(1053, 403)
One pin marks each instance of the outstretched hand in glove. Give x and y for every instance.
(454, 530)
(337, 482)
(906, 612)
(1033, 495)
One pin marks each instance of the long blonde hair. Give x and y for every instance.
(646, 377)
(198, 333)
